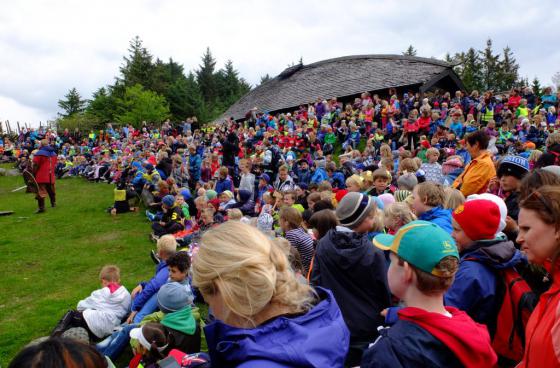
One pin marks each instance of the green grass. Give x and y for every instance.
(50, 261)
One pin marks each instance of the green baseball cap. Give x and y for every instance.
(423, 244)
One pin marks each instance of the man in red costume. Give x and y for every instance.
(44, 164)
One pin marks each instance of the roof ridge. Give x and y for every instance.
(381, 56)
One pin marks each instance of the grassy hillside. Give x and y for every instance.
(50, 261)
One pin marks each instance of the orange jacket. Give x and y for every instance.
(542, 334)
(476, 176)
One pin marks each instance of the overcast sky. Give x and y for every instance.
(50, 46)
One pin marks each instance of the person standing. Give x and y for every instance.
(44, 165)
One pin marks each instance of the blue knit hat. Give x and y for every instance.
(173, 297)
(168, 200)
(186, 194)
(515, 166)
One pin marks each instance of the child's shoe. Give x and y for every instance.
(150, 215)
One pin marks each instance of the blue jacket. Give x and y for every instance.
(195, 162)
(151, 287)
(223, 185)
(439, 216)
(474, 289)
(319, 338)
(319, 175)
(338, 180)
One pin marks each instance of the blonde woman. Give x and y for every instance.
(264, 316)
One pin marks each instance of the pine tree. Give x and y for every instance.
(469, 69)
(185, 99)
(536, 86)
(72, 103)
(101, 106)
(490, 67)
(508, 71)
(138, 67)
(265, 78)
(206, 78)
(410, 51)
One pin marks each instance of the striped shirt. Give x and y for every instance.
(303, 242)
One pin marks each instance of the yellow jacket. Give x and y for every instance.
(476, 176)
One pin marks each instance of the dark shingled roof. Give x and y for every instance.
(340, 77)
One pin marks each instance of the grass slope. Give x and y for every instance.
(50, 261)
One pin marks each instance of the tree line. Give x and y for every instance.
(153, 91)
(486, 69)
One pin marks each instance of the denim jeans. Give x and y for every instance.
(149, 307)
(114, 345)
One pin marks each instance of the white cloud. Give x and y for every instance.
(51, 46)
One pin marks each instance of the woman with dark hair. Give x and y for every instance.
(539, 237)
(59, 353)
(478, 173)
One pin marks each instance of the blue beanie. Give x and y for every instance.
(173, 297)
(168, 200)
(515, 166)
(186, 194)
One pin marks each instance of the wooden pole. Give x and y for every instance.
(9, 127)
(18, 127)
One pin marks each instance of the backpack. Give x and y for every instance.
(518, 303)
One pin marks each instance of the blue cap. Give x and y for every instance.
(168, 200)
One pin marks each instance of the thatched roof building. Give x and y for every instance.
(345, 77)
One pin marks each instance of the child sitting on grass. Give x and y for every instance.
(144, 295)
(121, 197)
(424, 261)
(102, 311)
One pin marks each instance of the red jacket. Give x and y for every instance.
(424, 122)
(542, 334)
(44, 165)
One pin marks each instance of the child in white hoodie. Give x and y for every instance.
(102, 311)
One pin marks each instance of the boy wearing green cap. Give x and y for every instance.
(424, 260)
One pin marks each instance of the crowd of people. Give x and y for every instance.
(379, 232)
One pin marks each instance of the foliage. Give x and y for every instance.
(205, 92)
(140, 105)
(536, 86)
(265, 78)
(486, 70)
(72, 103)
(82, 121)
(410, 51)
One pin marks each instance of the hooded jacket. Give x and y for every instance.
(45, 160)
(356, 272)
(184, 329)
(246, 204)
(151, 287)
(542, 333)
(439, 216)
(104, 309)
(475, 289)
(425, 339)
(318, 338)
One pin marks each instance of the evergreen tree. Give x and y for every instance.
(185, 99)
(536, 86)
(265, 78)
(410, 51)
(490, 67)
(206, 78)
(508, 71)
(138, 67)
(469, 69)
(72, 103)
(102, 106)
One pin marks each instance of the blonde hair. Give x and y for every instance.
(399, 210)
(355, 179)
(535, 155)
(110, 273)
(249, 271)
(167, 244)
(407, 165)
(432, 151)
(234, 214)
(453, 198)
